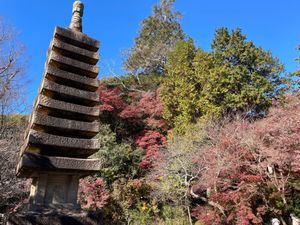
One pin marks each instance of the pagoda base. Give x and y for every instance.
(54, 191)
(55, 217)
(55, 180)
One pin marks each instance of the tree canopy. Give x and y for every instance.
(158, 35)
(235, 77)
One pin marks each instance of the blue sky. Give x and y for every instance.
(271, 24)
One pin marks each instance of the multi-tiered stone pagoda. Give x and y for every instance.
(64, 122)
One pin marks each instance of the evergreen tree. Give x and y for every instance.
(244, 77)
(158, 35)
(180, 93)
(236, 77)
(293, 79)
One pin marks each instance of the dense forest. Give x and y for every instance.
(187, 136)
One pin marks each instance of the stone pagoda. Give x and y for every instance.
(64, 124)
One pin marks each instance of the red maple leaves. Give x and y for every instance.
(140, 112)
(241, 154)
(92, 193)
(152, 142)
(110, 99)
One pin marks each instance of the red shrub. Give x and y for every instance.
(151, 103)
(92, 193)
(110, 99)
(207, 216)
(130, 111)
(151, 141)
(138, 117)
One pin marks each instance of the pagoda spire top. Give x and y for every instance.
(76, 22)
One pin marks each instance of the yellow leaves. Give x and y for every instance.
(199, 222)
(144, 206)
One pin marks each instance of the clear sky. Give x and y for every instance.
(271, 24)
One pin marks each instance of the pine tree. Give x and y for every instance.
(158, 35)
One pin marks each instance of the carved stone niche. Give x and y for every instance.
(52, 190)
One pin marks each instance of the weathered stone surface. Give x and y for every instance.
(76, 38)
(65, 109)
(53, 145)
(72, 65)
(31, 165)
(48, 124)
(76, 22)
(53, 190)
(71, 79)
(69, 94)
(74, 52)
(56, 218)
(60, 135)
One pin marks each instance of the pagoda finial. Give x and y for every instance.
(76, 22)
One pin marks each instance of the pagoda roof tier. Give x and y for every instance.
(32, 165)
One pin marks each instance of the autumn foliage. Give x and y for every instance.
(92, 193)
(135, 115)
(252, 168)
(234, 170)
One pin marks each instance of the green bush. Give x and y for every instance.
(119, 160)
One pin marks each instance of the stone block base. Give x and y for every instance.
(55, 218)
(56, 191)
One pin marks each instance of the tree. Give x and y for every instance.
(233, 171)
(294, 79)
(252, 169)
(132, 134)
(180, 88)
(119, 160)
(178, 166)
(158, 35)
(236, 77)
(13, 191)
(12, 68)
(12, 86)
(135, 116)
(244, 77)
